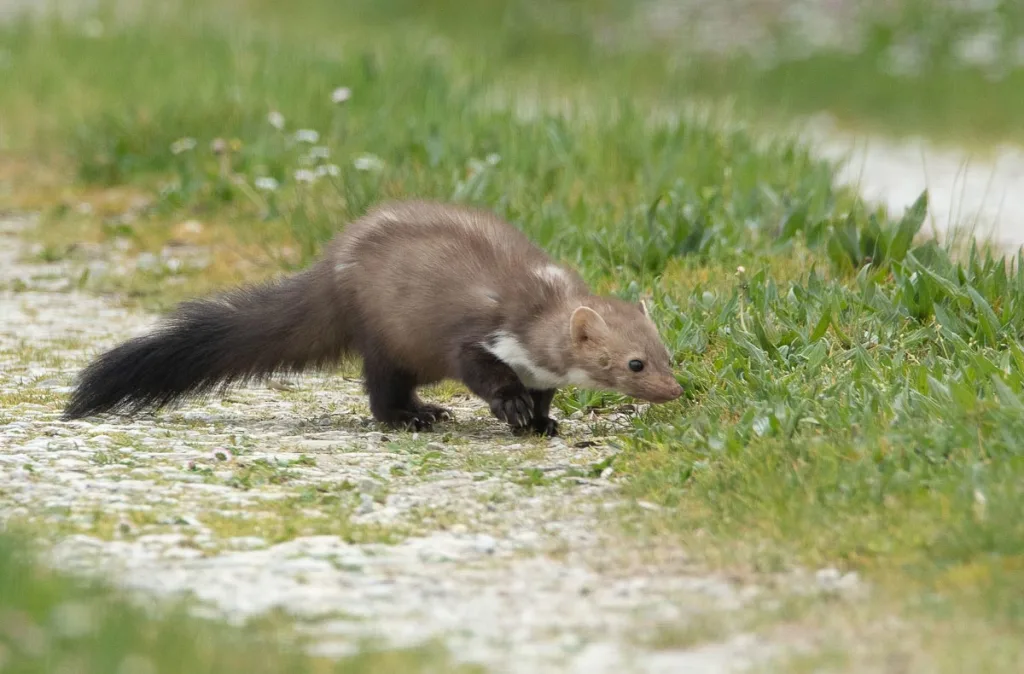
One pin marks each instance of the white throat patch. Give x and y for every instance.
(505, 347)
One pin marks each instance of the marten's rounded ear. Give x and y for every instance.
(585, 324)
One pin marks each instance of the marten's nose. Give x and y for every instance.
(668, 392)
(674, 391)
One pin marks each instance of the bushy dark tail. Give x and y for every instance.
(295, 324)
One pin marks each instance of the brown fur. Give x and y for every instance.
(422, 292)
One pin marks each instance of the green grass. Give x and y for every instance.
(587, 190)
(53, 623)
(853, 393)
(913, 74)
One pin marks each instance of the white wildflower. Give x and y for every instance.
(307, 136)
(980, 49)
(266, 183)
(276, 120)
(368, 162)
(305, 176)
(328, 170)
(183, 145)
(191, 227)
(319, 152)
(762, 425)
(493, 158)
(980, 503)
(340, 95)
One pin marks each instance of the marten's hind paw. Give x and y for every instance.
(434, 413)
(405, 420)
(415, 423)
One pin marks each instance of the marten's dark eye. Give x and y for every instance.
(636, 365)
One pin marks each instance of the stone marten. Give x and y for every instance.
(422, 292)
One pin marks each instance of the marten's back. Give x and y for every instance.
(423, 275)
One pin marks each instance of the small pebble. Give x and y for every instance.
(366, 504)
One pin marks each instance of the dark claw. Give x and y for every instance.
(418, 424)
(411, 422)
(434, 413)
(515, 409)
(547, 427)
(422, 424)
(543, 427)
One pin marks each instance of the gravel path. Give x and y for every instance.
(288, 497)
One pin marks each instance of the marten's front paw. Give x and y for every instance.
(546, 427)
(513, 406)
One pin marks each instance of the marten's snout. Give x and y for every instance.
(676, 390)
(665, 390)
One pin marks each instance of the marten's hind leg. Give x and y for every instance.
(393, 399)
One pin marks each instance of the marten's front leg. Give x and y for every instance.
(498, 384)
(543, 424)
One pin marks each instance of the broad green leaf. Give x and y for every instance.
(951, 289)
(952, 328)
(822, 327)
(840, 258)
(986, 317)
(1006, 395)
(908, 227)
(939, 389)
(762, 338)
(963, 395)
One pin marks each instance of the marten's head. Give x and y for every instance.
(617, 346)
